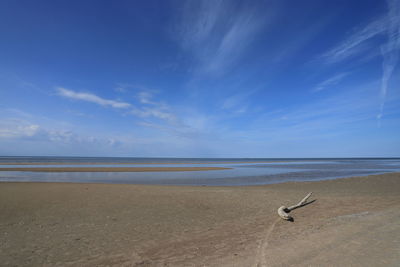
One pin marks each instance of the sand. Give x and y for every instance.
(354, 222)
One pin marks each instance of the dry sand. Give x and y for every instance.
(354, 222)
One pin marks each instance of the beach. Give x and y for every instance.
(354, 221)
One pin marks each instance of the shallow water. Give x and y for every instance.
(243, 172)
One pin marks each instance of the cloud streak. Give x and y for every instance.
(153, 108)
(147, 106)
(14, 131)
(340, 113)
(330, 82)
(387, 25)
(33, 138)
(390, 50)
(356, 42)
(88, 97)
(216, 33)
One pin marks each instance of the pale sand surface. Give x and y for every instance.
(354, 222)
(114, 169)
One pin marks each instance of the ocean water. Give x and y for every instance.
(244, 171)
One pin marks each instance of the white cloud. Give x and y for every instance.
(121, 88)
(198, 21)
(217, 33)
(238, 103)
(89, 97)
(149, 108)
(193, 127)
(153, 108)
(341, 112)
(154, 112)
(387, 25)
(356, 42)
(16, 131)
(390, 50)
(145, 98)
(233, 43)
(331, 81)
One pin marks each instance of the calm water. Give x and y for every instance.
(245, 171)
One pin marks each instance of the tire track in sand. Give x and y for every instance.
(261, 259)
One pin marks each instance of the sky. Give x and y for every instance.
(200, 78)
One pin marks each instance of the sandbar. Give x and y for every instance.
(113, 169)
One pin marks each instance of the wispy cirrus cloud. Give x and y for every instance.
(338, 113)
(387, 26)
(122, 87)
(356, 42)
(217, 33)
(18, 130)
(146, 97)
(330, 82)
(390, 50)
(89, 97)
(156, 113)
(146, 108)
(37, 138)
(153, 113)
(12, 128)
(153, 108)
(238, 103)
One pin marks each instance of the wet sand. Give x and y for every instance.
(353, 222)
(114, 169)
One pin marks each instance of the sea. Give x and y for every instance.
(243, 171)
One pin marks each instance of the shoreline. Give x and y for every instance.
(168, 183)
(124, 224)
(149, 162)
(210, 186)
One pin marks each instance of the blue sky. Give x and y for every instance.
(200, 78)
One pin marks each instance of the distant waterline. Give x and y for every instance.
(243, 171)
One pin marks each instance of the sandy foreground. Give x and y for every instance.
(354, 222)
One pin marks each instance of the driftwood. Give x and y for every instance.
(283, 211)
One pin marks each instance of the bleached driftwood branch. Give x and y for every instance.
(283, 211)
